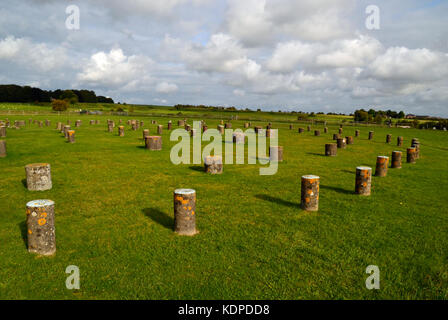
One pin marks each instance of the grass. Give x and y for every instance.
(114, 217)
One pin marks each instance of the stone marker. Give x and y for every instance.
(97, 122)
(159, 129)
(40, 227)
(290, 127)
(66, 130)
(382, 163)
(416, 144)
(341, 143)
(193, 132)
(153, 142)
(204, 128)
(331, 149)
(396, 159)
(92, 122)
(78, 123)
(59, 126)
(185, 212)
(71, 136)
(340, 130)
(370, 135)
(349, 140)
(2, 132)
(336, 136)
(257, 129)
(228, 125)
(388, 138)
(38, 176)
(399, 141)
(134, 126)
(310, 193)
(316, 133)
(221, 129)
(238, 137)
(110, 128)
(121, 131)
(187, 127)
(47, 123)
(308, 128)
(325, 130)
(180, 123)
(363, 181)
(145, 133)
(170, 125)
(276, 153)
(213, 164)
(301, 130)
(357, 133)
(246, 125)
(411, 155)
(3, 152)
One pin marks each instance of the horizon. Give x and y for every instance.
(274, 55)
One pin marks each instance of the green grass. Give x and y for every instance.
(114, 217)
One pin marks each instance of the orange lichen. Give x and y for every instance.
(29, 231)
(43, 214)
(42, 221)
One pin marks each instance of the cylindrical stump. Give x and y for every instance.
(331, 149)
(185, 212)
(180, 123)
(170, 125)
(40, 227)
(340, 130)
(276, 153)
(341, 143)
(110, 128)
(325, 130)
(411, 155)
(238, 137)
(357, 133)
(2, 132)
(66, 130)
(221, 129)
(153, 142)
(316, 133)
(301, 130)
(399, 141)
(363, 181)
(349, 140)
(310, 193)
(308, 128)
(188, 127)
(382, 163)
(388, 138)
(71, 136)
(213, 164)
(336, 136)
(416, 145)
(78, 123)
(145, 133)
(396, 159)
(370, 135)
(228, 125)
(291, 127)
(38, 176)
(3, 152)
(121, 131)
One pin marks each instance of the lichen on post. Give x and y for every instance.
(213, 164)
(71, 136)
(2, 132)
(3, 152)
(310, 193)
(40, 227)
(388, 138)
(349, 139)
(159, 129)
(145, 133)
(382, 163)
(363, 181)
(121, 131)
(185, 212)
(370, 135)
(341, 143)
(38, 176)
(396, 159)
(301, 130)
(317, 133)
(399, 141)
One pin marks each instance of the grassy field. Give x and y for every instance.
(114, 218)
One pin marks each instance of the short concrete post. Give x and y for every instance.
(121, 131)
(363, 181)
(145, 133)
(71, 136)
(399, 141)
(213, 164)
(382, 163)
(331, 149)
(40, 227)
(38, 176)
(3, 152)
(411, 155)
(370, 135)
(159, 129)
(153, 142)
(185, 212)
(317, 133)
(396, 159)
(341, 143)
(310, 193)
(388, 138)
(349, 140)
(276, 153)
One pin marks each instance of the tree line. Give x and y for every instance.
(376, 116)
(16, 93)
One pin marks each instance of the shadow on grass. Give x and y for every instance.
(141, 147)
(24, 183)
(316, 154)
(277, 200)
(23, 230)
(348, 171)
(159, 217)
(197, 168)
(337, 189)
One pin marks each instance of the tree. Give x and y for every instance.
(59, 105)
(69, 96)
(378, 119)
(401, 115)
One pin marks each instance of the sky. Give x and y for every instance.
(289, 55)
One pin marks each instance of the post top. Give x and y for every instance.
(383, 157)
(396, 151)
(310, 177)
(37, 165)
(364, 168)
(184, 191)
(40, 203)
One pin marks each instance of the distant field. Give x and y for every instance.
(114, 216)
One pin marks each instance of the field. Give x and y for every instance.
(114, 217)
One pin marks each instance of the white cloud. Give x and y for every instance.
(165, 87)
(115, 69)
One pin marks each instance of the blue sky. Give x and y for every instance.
(308, 55)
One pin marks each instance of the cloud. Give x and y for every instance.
(115, 69)
(30, 55)
(165, 87)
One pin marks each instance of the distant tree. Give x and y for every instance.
(69, 96)
(401, 115)
(59, 105)
(378, 119)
